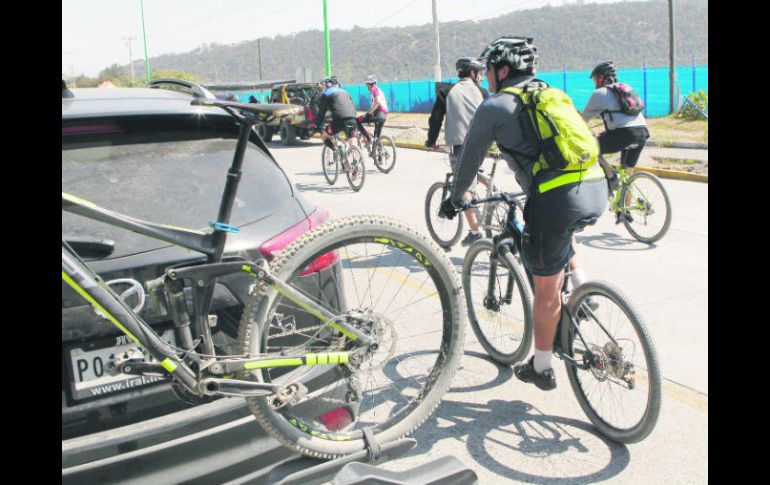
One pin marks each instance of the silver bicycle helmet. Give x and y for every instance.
(519, 53)
(371, 79)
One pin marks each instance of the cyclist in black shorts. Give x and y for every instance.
(339, 103)
(623, 132)
(554, 201)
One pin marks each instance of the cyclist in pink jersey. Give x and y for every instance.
(377, 114)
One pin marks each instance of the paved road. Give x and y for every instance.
(513, 433)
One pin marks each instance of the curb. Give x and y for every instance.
(677, 144)
(668, 174)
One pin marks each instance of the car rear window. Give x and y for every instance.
(169, 179)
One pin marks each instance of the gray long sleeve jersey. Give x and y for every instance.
(462, 101)
(497, 119)
(602, 100)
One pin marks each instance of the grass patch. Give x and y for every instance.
(676, 161)
(672, 129)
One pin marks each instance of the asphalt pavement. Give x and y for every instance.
(510, 432)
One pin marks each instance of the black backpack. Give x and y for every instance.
(630, 102)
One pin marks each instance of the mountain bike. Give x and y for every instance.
(447, 232)
(381, 149)
(608, 353)
(641, 203)
(323, 327)
(349, 156)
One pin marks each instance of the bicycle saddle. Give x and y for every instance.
(582, 223)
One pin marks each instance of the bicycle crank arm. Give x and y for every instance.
(233, 387)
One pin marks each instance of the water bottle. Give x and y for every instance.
(519, 226)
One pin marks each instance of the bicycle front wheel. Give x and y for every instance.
(620, 388)
(393, 284)
(645, 200)
(356, 172)
(384, 154)
(499, 302)
(444, 231)
(329, 165)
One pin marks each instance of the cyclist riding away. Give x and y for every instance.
(377, 114)
(343, 111)
(556, 200)
(625, 131)
(461, 103)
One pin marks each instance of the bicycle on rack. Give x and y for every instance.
(447, 232)
(381, 149)
(347, 155)
(325, 327)
(609, 356)
(641, 203)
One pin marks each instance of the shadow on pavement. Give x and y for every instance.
(614, 242)
(495, 430)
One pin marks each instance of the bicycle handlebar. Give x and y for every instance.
(510, 198)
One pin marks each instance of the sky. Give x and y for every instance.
(97, 33)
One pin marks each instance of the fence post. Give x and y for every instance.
(644, 82)
(564, 76)
(693, 75)
(410, 94)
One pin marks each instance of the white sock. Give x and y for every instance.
(577, 277)
(542, 360)
(474, 232)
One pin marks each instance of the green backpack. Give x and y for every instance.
(566, 142)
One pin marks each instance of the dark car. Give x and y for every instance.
(148, 153)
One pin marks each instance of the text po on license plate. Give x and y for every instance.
(90, 368)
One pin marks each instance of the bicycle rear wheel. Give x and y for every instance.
(391, 283)
(647, 202)
(499, 307)
(330, 165)
(445, 232)
(620, 391)
(356, 172)
(495, 216)
(384, 154)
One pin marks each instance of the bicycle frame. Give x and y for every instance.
(204, 276)
(510, 240)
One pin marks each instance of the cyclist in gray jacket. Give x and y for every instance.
(555, 202)
(461, 103)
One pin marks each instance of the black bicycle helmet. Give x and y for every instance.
(465, 64)
(606, 69)
(331, 81)
(519, 53)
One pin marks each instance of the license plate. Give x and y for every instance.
(90, 365)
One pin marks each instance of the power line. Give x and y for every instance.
(378, 23)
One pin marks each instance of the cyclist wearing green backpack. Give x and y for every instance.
(553, 155)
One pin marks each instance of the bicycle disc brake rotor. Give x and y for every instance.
(383, 333)
(599, 363)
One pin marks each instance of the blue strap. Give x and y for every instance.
(218, 226)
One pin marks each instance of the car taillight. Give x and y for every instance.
(279, 242)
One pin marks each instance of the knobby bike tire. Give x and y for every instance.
(329, 166)
(384, 154)
(405, 252)
(597, 382)
(356, 173)
(438, 225)
(505, 333)
(640, 218)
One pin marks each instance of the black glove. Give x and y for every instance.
(448, 210)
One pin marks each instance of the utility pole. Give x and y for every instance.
(259, 50)
(326, 43)
(144, 35)
(130, 57)
(672, 65)
(437, 70)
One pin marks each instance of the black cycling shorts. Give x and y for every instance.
(348, 125)
(617, 140)
(550, 222)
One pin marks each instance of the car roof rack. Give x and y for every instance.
(196, 89)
